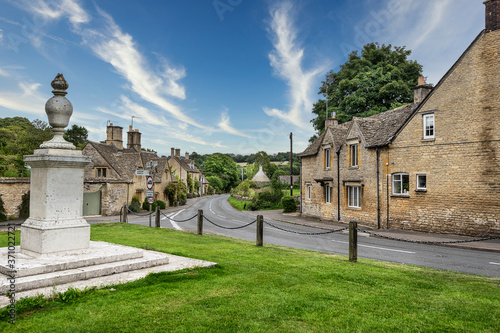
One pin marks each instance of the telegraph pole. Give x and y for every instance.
(291, 166)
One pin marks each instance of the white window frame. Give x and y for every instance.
(354, 155)
(418, 182)
(397, 178)
(354, 196)
(431, 132)
(327, 158)
(328, 194)
(309, 189)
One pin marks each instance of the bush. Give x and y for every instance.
(289, 205)
(162, 204)
(24, 207)
(134, 206)
(267, 199)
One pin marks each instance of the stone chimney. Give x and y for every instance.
(187, 156)
(331, 122)
(421, 91)
(114, 136)
(178, 153)
(134, 139)
(492, 18)
(172, 152)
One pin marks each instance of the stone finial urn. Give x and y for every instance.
(59, 110)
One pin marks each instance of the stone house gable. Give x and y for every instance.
(433, 165)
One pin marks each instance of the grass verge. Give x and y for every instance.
(237, 204)
(270, 289)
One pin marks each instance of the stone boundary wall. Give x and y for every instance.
(12, 190)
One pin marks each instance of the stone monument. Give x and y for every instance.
(56, 203)
(56, 252)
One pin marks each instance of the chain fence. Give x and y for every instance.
(330, 231)
(180, 221)
(229, 228)
(137, 214)
(427, 242)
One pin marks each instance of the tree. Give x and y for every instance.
(224, 167)
(77, 135)
(379, 79)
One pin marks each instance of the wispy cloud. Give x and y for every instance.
(26, 99)
(287, 62)
(225, 125)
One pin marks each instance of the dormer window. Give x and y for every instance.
(429, 126)
(327, 158)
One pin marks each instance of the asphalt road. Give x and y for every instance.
(220, 215)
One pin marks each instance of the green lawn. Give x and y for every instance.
(296, 191)
(239, 205)
(270, 289)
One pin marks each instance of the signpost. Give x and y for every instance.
(150, 193)
(141, 172)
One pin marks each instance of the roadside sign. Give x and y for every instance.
(149, 183)
(150, 193)
(151, 164)
(151, 200)
(141, 172)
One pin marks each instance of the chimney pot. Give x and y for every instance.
(177, 152)
(187, 156)
(421, 80)
(172, 152)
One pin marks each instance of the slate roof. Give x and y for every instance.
(377, 129)
(126, 161)
(338, 132)
(185, 164)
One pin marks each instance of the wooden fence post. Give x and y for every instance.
(157, 217)
(200, 222)
(125, 212)
(260, 230)
(353, 241)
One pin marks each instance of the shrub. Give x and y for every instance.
(176, 193)
(134, 206)
(162, 204)
(24, 207)
(289, 205)
(267, 199)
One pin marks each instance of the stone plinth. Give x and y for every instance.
(56, 204)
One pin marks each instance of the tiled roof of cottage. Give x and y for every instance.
(377, 129)
(338, 132)
(186, 164)
(126, 161)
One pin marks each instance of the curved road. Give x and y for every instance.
(218, 211)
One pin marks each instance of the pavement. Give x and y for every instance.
(492, 245)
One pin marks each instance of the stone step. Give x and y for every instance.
(97, 253)
(149, 259)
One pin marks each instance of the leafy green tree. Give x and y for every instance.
(77, 135)
(216, 183)
(379, 79)
(224, 167)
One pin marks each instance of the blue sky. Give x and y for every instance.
(233, 76)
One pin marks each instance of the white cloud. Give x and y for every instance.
(154, 124)
(26, 99)
(225, 125)
(55, 10)
(287, 62)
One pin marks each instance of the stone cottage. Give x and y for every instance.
(112, 173)
(184, 168)
(432, 165)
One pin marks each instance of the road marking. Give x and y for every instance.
(375, 247)
(494, 263)
(170, 217)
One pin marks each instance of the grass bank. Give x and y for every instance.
(270, 289)
(237, 204)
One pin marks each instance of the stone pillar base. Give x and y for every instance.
(44, 237)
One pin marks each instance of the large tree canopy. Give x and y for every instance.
(379, 79)
(77, 135)
(224, 167)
